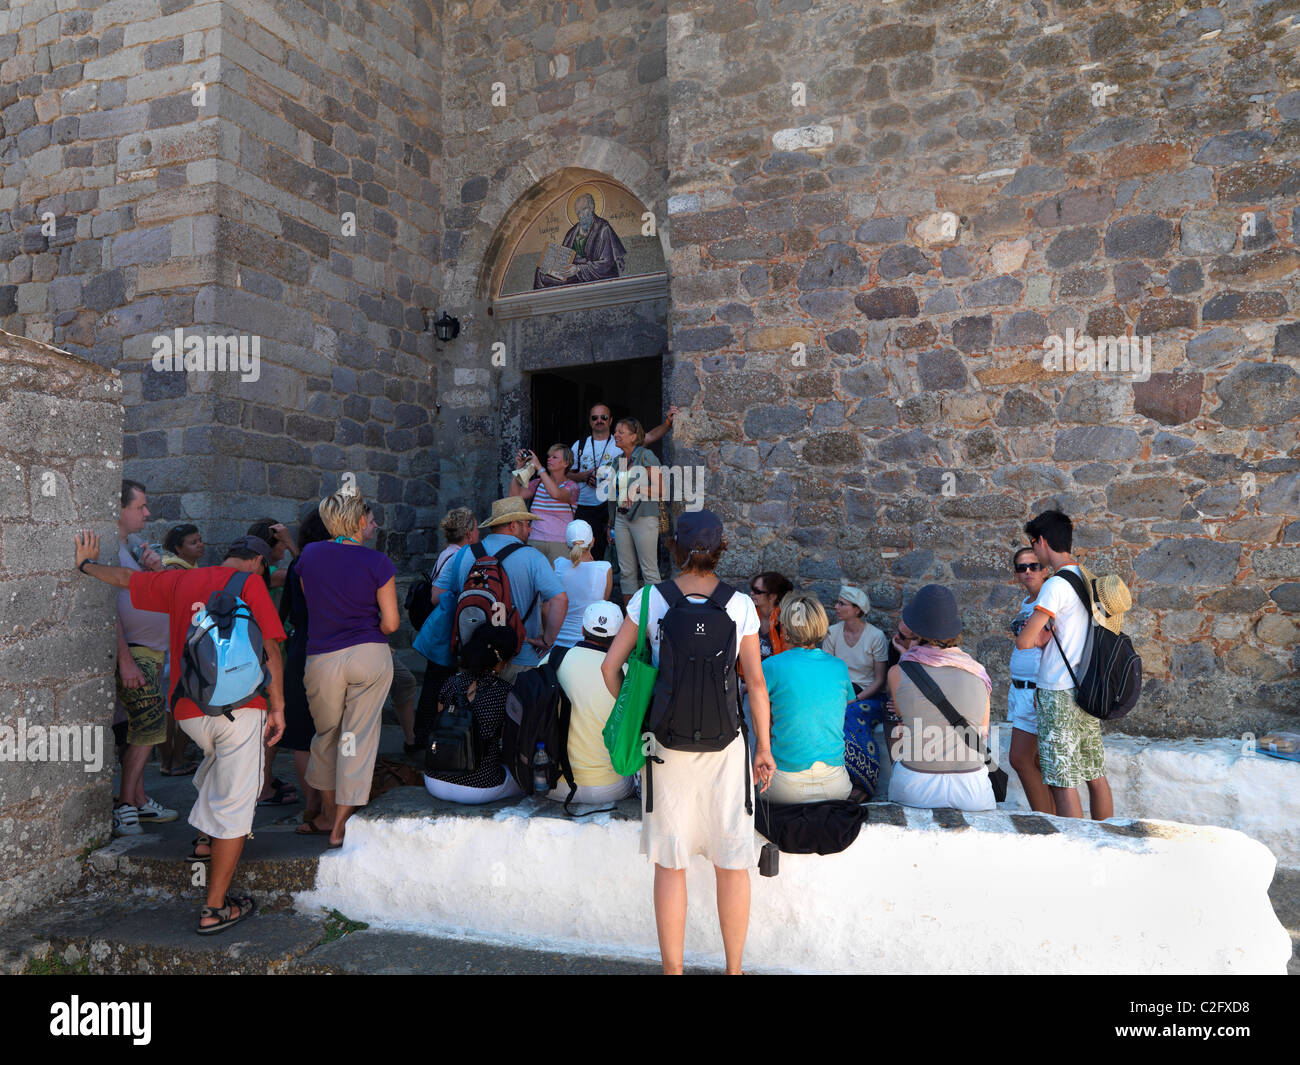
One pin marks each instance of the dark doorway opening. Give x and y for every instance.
(562, 398)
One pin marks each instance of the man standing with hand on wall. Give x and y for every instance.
(230, 778)
(589, 455)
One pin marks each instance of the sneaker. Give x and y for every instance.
(155, 813)
(126, 820)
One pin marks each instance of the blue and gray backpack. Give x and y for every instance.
(223, 664)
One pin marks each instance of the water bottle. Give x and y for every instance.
(541, 771)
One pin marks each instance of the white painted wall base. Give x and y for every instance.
(920, 899)
(1196, 782)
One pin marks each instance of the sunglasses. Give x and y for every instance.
(757, 591)
(1032, 567)
(600, 417)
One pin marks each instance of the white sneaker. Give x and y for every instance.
(126, 820)
(155, 813)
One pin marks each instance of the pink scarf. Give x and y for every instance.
(947, 656)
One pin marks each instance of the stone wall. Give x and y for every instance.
(922, 429)
(60, 471)
(918, 194)
(584, 88)
(295, 201)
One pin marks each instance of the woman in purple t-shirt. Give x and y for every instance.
(351, 594)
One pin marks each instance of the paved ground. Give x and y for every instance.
(139, 905)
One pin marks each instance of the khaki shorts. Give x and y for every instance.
(230, 778)
(146, 708)
(1070, 751)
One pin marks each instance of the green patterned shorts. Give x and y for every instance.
(146, 707)
(1069, 741)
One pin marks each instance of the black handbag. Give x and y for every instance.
(926, 686)
(453, 747)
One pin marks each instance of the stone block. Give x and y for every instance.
(1276, 562)
(1256, 394)
(993, 292)
(1189, 562)
(882, 303)
(1096, 442)
(1145, 236)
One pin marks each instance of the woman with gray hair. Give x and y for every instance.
(859, 644)
(351, 594)
(808, 689)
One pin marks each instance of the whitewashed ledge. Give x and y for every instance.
(919, 891)
(1197, 782)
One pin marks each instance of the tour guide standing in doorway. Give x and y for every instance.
(599, 450)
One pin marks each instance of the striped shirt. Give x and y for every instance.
(552, 518)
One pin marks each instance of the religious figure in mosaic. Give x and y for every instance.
(591, 251)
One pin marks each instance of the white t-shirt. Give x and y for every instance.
(1024, 662)
(584, 584)
(1058, 600)
(862, 656)
(740, 608)
(591, 454)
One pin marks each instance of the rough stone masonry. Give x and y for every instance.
(60, 470)
(874, 215)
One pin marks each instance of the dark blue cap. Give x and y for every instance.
(933, 613)
(699, 530)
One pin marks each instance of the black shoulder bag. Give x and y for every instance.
(927, 687)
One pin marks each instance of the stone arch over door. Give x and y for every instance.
(511, 200)
(486, 411)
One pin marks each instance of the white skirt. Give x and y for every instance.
(942, 791)
(699, 808)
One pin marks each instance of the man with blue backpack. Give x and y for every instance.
(226, 666)
(503, 581)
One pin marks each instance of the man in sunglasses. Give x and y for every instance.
(599, 450)
(1021, 714)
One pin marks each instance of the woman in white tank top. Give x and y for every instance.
(585, 580)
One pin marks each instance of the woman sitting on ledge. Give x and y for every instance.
(485, 655)
(937, 765)
(808, 689)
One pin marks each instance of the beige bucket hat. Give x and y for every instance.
(504, 511)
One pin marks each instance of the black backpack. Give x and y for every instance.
(538, 711)
(453, 746)
(695, 705)
(419, 602)
(1110, 672)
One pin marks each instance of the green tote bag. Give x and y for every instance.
(622, 733)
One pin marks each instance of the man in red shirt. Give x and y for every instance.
(230, 778)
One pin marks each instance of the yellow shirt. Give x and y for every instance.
(579, 676)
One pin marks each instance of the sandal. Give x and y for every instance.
(196, 842)
(309, 829)
(247, 907)
(186, 770)
(280, 797)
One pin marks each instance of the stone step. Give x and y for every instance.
(275, 863)
(111, 935)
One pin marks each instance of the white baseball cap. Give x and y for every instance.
(602, 618)
(579, 532)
